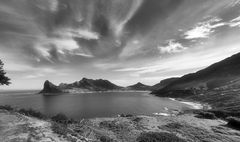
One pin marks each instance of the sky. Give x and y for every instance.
(124, 41)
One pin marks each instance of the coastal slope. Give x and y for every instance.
(217, 85)
(163, 83)
(216, 76)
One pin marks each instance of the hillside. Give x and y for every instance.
(163, 83)
(213, 77)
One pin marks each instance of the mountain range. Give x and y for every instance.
(90, 85)
(223, 74)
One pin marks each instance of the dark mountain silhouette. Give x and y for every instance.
(84, 85)
(213, 77)
(139, 86)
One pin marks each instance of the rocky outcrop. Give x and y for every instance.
(49, 87)
(139, 87)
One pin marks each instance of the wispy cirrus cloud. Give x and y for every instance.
(235, 22)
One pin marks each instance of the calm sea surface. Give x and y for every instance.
(91, 105)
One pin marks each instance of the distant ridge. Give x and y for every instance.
(139, 86)
(84, 85)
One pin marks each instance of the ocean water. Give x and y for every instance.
(91, 105)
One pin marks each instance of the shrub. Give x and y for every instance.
(127, 115)
(174, 125)
(6, 107)
(234, 122)
(32, 113)
(158, 137)
(60, 118)
(106, 139)
(206, 115)
(112, 125)
(60, 129)
(137, 119)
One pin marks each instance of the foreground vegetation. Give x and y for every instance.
(189, 126)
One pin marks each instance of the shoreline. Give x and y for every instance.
(92, 92)
(195, 105)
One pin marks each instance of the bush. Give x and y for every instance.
(234, 122)
(32, 113)
(137, 119)
(60, 118)
(60, 129)
(206, 115)
(6, 107)
(127, 115)
(158, 137)
(174, 125)
(112, 125)
(106, 139)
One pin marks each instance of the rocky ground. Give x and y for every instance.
(15, 127)
(186, 126)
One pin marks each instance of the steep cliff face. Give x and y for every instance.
(49, 87)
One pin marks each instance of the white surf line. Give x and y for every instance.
(192, 104)
(162, 114)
